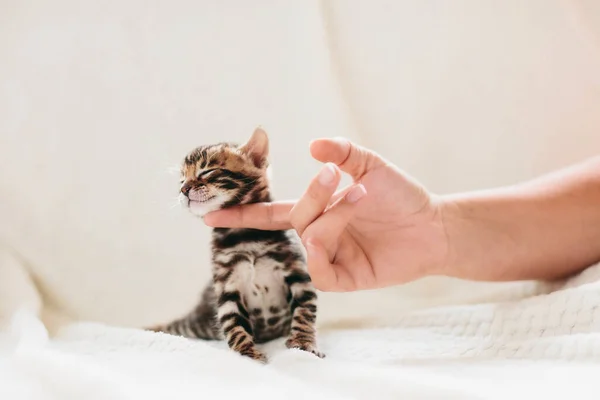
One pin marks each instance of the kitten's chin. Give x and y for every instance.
(200, 209)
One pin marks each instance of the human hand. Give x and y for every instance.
(382, 230)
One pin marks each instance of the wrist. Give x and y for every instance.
(448, 212)
(467, 236)
(444, 214)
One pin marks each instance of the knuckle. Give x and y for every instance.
(241, 217)
(270, 213)
(312, 232)
(304, 236)
(296, 220)
(350, 154)
(314, 192)
(295, 223)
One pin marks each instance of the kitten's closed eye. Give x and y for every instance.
(206, 173)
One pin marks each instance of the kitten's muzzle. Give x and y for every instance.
(196, 193)
(199, 195)
(185, 189)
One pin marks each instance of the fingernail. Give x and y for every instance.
(327, 175)
(356, 193)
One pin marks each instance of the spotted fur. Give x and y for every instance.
(260, 289)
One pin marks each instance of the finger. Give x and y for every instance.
(338, 195)
(353, 159)
(328, 228)
(325, 276)
(321, 238)
(316, 198)
(265, 216)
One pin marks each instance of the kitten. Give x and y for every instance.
(260, 289)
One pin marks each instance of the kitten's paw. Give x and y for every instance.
(156, 328)
(255, 355)
(311, 347)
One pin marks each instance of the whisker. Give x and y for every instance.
(175, 202)
(173, 170)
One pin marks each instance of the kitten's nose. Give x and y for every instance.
(185, 189)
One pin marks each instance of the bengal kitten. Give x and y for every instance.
(260, 289)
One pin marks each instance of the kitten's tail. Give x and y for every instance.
(189, 327)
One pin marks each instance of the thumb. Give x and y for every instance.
(353, 159)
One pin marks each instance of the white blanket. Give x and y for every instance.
(544, 344)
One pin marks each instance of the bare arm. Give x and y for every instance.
(542, 229)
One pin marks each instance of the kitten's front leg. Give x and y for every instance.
(304, 310)
(232, 314)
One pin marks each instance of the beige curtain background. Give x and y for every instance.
(99, 99)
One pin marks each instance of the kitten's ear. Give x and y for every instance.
(257, 148)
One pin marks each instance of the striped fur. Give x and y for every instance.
(260, 289)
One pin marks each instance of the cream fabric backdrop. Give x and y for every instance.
(98, 100)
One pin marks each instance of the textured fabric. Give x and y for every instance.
(545, 345)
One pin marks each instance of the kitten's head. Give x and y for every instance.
(225, 174)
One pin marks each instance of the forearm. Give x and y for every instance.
(542, 229)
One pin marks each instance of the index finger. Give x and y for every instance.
(266, 216)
